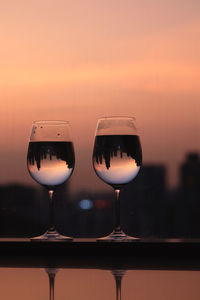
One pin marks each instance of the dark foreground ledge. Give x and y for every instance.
(87, 253)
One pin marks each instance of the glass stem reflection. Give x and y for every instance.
(117, 211)
(118, 274)
(51, 225)
(51, 273)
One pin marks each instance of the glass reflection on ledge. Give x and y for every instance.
(84, 284)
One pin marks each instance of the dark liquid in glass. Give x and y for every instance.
(117, 158)
(50, 163)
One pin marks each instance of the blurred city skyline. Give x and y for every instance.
(87, 59)
(149, 209)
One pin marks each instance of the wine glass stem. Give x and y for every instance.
(118, 275)
(51, 286)
(117, 211)
(51, 225)
(118, 287)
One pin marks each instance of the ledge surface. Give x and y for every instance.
(88, 253)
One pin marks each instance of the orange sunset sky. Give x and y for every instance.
(81, 60)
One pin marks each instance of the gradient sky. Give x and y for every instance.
(82, 60)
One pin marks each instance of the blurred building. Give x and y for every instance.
(188, 197)
(190, 174)
(22, 211)
(143, 202)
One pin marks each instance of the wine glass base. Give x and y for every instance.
(51, 236)
(118, 236)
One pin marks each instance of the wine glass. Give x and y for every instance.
(50, 162)
(117, 158)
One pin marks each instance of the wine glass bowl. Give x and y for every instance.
(117, 158)
(50, 162)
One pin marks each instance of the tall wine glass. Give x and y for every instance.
(50, 162)
(117, 158)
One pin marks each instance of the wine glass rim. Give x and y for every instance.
(51, 122)
(117, 117)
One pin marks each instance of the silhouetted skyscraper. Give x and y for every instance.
(189, 196)
(143, 202)
(190, 173)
